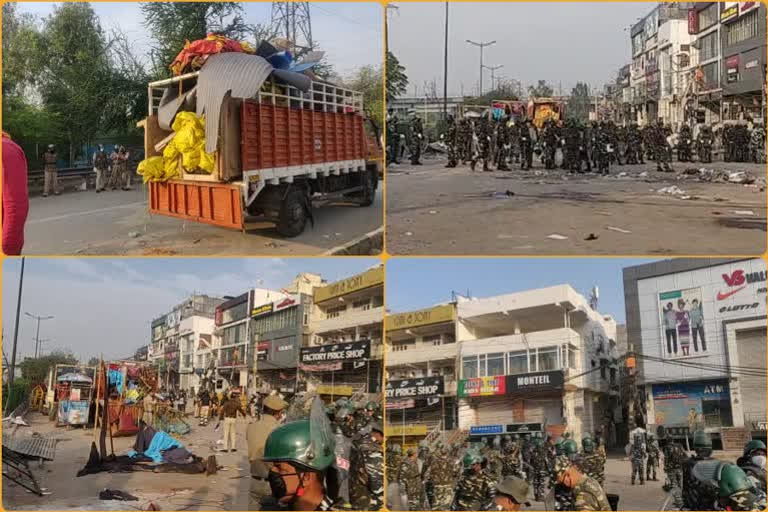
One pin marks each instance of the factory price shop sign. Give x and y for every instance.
(340, 352)
(415, 388)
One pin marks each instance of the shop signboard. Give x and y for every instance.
(484, 430)
(730, 11)
(431, 316)
(406, 430)
(537, 381)
(692, 404)
(348, 351)
(415, 388)
(483, 386)
(367, 279)
(264, 309)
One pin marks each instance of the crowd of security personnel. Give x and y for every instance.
(310, 456)
(499, 473)
(488, 143)
(507, 472)
(112, 170)
(697, 481)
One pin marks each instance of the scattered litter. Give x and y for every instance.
(719, 199)
(672, 190)
(326, 236)
(526, 247)
(19, 421)
(591, 236)
(408, 233)
(134, 234)
(337, 234)
(607, 214)
(271, 244)
(622, 174)
(555, 236)
(741, 177)
(538, 173)
(691, 171)
(618, 230)
(503, 195)
(743, 212)
(432, 212)
(643, 174)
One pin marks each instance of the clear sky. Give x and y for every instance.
(557, 42)
(106, 305)
(350, 33)
(421, 283)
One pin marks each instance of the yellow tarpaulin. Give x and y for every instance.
(188, 143)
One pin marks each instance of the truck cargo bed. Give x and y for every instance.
(219, 204)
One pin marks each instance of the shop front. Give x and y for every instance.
(420, 401)
(347, 365)
(686, 406)
(508, 403)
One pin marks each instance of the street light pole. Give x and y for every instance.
(15, 335)
(445, 67)
(481, 45)
(493, 73)
(37, 334)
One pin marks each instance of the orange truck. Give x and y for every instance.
(279, 154)
(541, 109)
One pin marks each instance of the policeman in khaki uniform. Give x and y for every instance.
(256, 435)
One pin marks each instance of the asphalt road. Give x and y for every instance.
(434, 210)
(118, 223)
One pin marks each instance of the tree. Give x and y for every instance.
(173, 24)
(541, 89)
(36, 370)
(397, 80)
(75, 70)
(368, 80)
(578, 103)
(20, 50)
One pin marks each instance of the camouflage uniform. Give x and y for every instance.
(514, 142)
(638, 454)
(417, 134)
(653, 459)
(475, 491)
(661, 148)
(593, 465)
(674, 458)
(502, 145)
(367, 489)
(539, 469)
(443, 478)
(483, 139)
(464, 141)
(695, 492)
(411, 484)
(588, 495)
(511, 460)
(757, 144)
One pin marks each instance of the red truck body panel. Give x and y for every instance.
(219, 204)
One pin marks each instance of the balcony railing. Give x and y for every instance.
(349, 319)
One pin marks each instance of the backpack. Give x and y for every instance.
(101, 160)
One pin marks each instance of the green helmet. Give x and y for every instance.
(538, 441)
(732, 479)
(570, 447)
(341, 402)
(293, 443)
(753, 445)
(559, 446)
(342, 413)
(701, 440)
(588, 444)
(395, 448)
(472, 458)
(370, 406)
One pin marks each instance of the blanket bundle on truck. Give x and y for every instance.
(252, 131)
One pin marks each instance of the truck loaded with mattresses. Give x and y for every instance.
(274, 144)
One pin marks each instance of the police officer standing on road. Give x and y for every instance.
(417, 135)
(100, 166)
(51, 174)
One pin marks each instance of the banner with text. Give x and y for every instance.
(415, 388)
(339, 352)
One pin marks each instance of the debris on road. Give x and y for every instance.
(555, 236)
(134, 234)
(591, 236)
(672, 190)
(408, 233)
(618, 230)
(743, 212)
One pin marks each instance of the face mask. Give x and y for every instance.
(759, 461)
(276, 485)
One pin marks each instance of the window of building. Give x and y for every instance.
(187, 361)
(517, 362)
(711, 76)
(283, 319)
(377, 301)
(362, 305)
(306, 319)
(199, 360)
(494, 364)
(235, 313)
(403, 344)
(157, 332)
(433, 339)
(742, 29)
(335, 312)
(469, 367)
(233, 335)
(709, 16)
(709, 47)
(572, 358)
(547, 359)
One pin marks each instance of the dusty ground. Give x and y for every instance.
(118, 223)
(434, 210)
(227, 490)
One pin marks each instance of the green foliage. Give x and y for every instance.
(20, 49)
(35, 371)
(397, 80)
(578, 103)
(172, 24)
(368, 80)
(18, 392)
(541, 89)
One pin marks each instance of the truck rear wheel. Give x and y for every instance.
(368, 194)
(293, 214)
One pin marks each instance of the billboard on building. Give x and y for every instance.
(483, 386)
(682, 323)
(693, 404)
(415, 388)
(353, 350)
